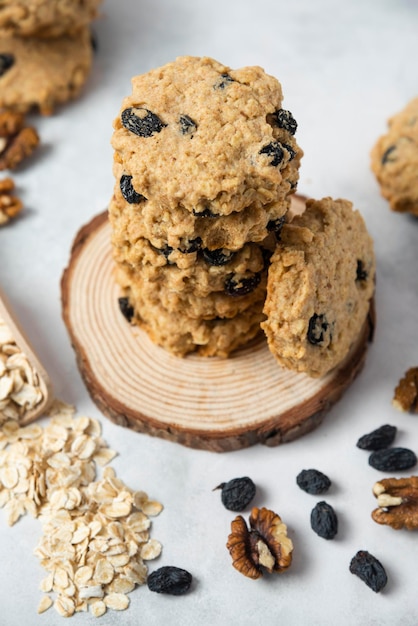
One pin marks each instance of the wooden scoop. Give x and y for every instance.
(24, 346)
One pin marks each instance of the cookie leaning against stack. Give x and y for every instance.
(205, 163)
(45, 52)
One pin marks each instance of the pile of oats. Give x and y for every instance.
(95, 532)
(19, 384)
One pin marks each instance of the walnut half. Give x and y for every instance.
(10, 205)
(398, 502)
(17, 141)
(266, 545)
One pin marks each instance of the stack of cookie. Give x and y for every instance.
(45, 52)
(205, 163)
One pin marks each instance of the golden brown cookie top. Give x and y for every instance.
(321, 281)
(197, 134)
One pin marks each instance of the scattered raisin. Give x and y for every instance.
(324, 520)
(361, 273)
(274, 150)
(313, 481)
(378, 439)
(386, 155)
(224, 80)
(126, 309)
(235, 286)
(128, 192)
(205, 213)
(218, 257)
(317, 328)
(392, 459)
(283, 119)
(170, 579)
(187, 125)
(275, 226)
(6, 62)
(237, 493)
(369, 570)
(145, 125)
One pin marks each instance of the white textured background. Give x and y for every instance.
(345, 68)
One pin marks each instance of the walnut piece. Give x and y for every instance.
(10, 205)
(266, 545)
(406, 392)
(17, 141)
(398, 502)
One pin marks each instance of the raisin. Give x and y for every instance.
(166, 251)
(224, 80)
(369, 570)
(291, 151)
(283, 119)
(170, 579)
(324, 520)
(205, 213)
(218, 257)
(386, 155)
(128, 192)
(6, 62)
(235, 286)
(378, 439)
(126, 309)
(274, 150)
(392, 459)
(313, 481)
(237, 493)
(193, 245)
(361, 273)
(317, 328)
(275, 226)
(144, 126)
(187, 125)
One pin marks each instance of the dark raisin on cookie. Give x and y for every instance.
(192, 245)
(141, 121)
(275, 151)
(187, 125)
(128, 192)
(283, 119)
(6, 62)
(126, 309)
(241, 286)
(166, 251)
(317, 328)
(290, 150)
(218, 257)
(386, 158)
(361, 273)
(205, 213)
(224, 80)
(275, 226)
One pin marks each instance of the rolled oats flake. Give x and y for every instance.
(20, 390)
(95, 531)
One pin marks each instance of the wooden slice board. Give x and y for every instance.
(210, 403)
(21, 340)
